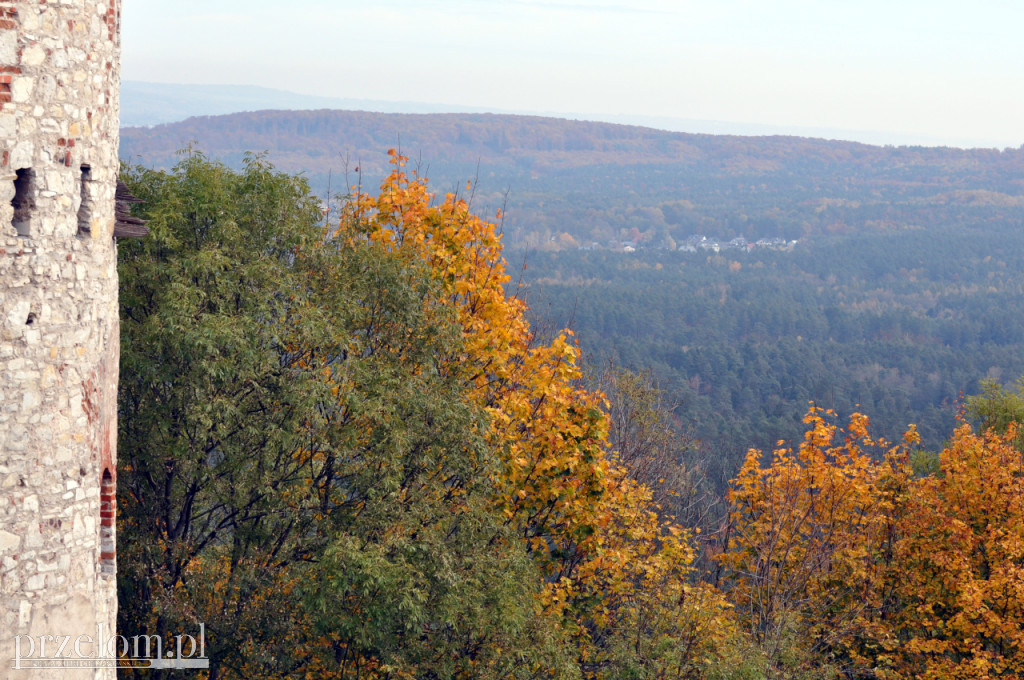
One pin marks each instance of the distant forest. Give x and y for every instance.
(568, 184)
(904, 292)
(898, 326)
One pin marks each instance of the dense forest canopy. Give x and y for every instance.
(897, 325)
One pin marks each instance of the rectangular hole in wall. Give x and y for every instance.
(24, 201)
(85, 207)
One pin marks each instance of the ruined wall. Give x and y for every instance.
(59, 75)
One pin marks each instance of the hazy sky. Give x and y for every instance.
(950, 72)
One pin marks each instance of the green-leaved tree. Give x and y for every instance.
(298, 469)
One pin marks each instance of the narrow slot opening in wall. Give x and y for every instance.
(85, 207)
(108, 524)
(24, 201)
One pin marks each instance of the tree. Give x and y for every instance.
(848, 562)
(298, 469)
(649, 445)
(997, 407)
(810, 542)
(209, 410)
(960, 564)
(613, 571)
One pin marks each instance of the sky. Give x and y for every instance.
(936, 72)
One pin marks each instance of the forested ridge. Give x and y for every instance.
(898, 292)
(565, 184)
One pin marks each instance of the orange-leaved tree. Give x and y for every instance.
(842, 559)
(810, 544)
(617, 577)
(960, 577)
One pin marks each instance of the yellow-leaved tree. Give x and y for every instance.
(841, 560)
(960, 564)
(617, 578)
(810, 544)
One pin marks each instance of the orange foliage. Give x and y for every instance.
(960, 580)
(807, 533)
(849, 558)
(612, 568)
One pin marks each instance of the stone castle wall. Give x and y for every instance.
(59, 79)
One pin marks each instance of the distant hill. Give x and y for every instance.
(593, 181)
(144, 104)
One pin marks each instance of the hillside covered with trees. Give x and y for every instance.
(345, 448)
(566, 184)
(767, 272)
(898, 325)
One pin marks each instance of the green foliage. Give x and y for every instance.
(208, 411)
(298, 468)
(924, 462)
(997, 407)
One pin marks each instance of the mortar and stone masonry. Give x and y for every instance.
(59, 80)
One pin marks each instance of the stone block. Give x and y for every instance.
(8, 48)
(21, 89)
(16, 316)
(9, 541)
(33, 55)
(31, 399)
(21, 154)
(33, 539)
(8, 128)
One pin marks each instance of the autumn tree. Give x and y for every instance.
(810, 542)
(959, 579)
(846, 562)
(613, 571)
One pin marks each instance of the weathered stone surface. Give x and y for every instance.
(59, 79)
(9, 541)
